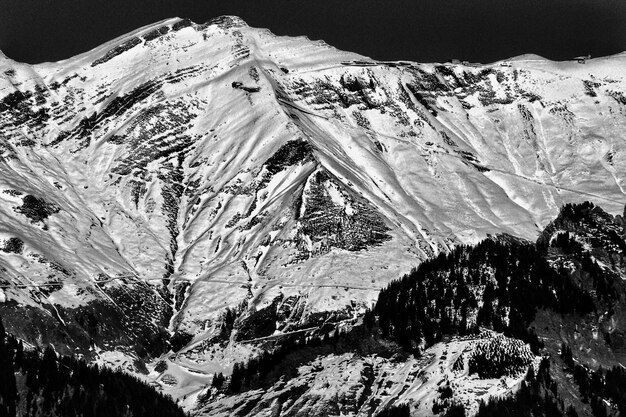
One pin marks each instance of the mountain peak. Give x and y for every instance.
(227, 21)
(4, 58)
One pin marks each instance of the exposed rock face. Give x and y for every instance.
(199, 168)
(590, 245)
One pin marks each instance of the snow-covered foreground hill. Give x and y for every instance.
(362, 385)
(194, 187)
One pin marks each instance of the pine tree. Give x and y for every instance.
(236, 378)
(3, 333)
(218, 381)
(8, 387)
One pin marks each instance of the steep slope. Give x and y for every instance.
(197, 186)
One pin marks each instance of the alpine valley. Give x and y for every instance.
(263, 225)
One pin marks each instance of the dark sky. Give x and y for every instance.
(418, 30)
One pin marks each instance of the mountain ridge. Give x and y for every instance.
(242, 22)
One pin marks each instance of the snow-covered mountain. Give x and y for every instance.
(196, 187)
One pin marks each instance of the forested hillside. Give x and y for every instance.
(575, 270)
(496, 284)
(35, 383)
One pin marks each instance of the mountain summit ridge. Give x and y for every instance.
(246, 185)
